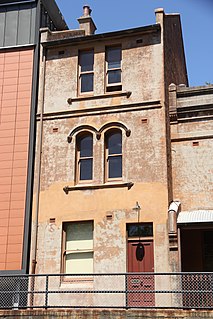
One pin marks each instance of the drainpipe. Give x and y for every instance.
(174, 239)
(173, 210)
(35, 239)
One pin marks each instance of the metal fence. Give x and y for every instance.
(129, 290)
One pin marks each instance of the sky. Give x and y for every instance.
(196, 19)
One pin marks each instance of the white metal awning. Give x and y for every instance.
(196, 216)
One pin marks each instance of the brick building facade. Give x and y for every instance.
(123, 158)
(117, 151)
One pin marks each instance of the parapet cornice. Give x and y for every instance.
(70, 39)
(196, 90)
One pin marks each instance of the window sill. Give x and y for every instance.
(68, 189)
(76, 281)
(70, 100)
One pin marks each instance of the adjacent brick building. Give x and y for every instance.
(191, 111)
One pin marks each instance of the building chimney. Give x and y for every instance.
(86, 11)
(86, 22)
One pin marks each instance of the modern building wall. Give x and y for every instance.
(19, 52)
(18, 24)
(15, 87)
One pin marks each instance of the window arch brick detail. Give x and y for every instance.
(80, 128)
(114, 125)
(100, 131)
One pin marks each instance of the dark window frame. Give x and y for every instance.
(81, 158)
(110, 155)
(83, 74)
(116, 85)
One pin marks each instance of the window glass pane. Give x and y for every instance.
(85, 166)
(115, 166)
(79, 263)
(114, 76)
(114, 57)
(140, 230)
(86, 60)
(79, 236)
(86, 83)
(86, 146)
(114, 144)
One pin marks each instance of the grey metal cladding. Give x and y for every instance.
(24, 26)
(11, 25)
(2, 25)
(33, 24)
(17, 25)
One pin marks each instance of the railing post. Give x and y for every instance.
(126, 289)
(16, 296)
(46, 291)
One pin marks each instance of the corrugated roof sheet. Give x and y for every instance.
(196, 216)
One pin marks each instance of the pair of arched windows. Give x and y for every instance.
(112, 151)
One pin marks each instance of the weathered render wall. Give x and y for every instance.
(192, 148)
(174, 68)
(140, 108)
(144, 155)
(149, 189)
(136, 59)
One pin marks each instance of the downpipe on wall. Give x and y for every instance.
(35, 232)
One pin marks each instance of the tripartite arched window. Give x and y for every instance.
(113, 151)
(84, 142)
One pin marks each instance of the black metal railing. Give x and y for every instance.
(118, 290)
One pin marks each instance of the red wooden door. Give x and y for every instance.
(140, 285)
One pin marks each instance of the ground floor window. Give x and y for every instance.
(77, 247)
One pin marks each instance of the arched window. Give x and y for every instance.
(84, 142)
(113, 154)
